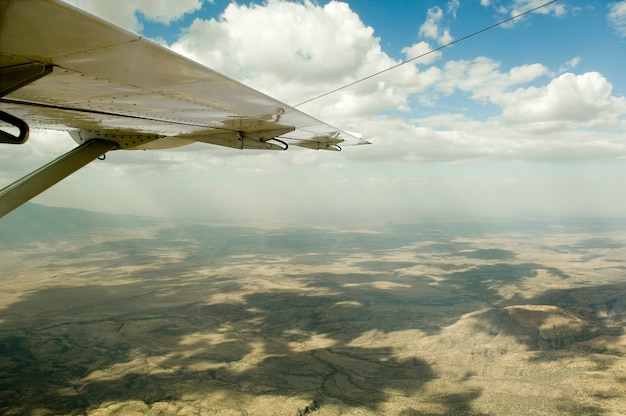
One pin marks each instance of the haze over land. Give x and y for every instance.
(161, 317)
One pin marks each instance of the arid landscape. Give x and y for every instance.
(186, 318)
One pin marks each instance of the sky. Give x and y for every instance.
(526, 119)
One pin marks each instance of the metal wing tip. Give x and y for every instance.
(359, 137)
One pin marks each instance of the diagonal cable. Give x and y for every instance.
(517, 16)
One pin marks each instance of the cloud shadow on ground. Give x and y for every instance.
(163, 335)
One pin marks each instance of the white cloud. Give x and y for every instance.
(124, 13)
(308, 42)
(570, 65)
(313, 50)
(424, 51)
(165, 11)
(517, 7)
(617, 17)
(42, 147)
(453, 6)
(584, 99)
(521, 6)
(431, 28)
(453, 138)
(483, 80)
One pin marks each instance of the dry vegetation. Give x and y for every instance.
(205, 320)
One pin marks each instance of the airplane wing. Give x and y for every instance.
(63, 69)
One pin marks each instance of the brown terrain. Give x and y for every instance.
(197, 319)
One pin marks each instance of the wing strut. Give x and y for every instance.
(43, 178)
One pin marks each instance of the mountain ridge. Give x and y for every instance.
(33, 223)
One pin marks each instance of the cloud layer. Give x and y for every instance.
(313, 49)
(318, 48)
(429, 116)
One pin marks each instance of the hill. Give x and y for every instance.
(33, 223)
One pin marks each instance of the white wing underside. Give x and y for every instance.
(106, 81)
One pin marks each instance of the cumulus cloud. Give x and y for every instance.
(581, 99)
(306, 41)
(517, 7)
(423, 51)
(617, 17)
(483, 80)
(311, 50)
(124, 13)
(453, 138)
(432, 27)
(521, 6)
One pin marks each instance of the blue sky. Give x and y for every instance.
(522, 120)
